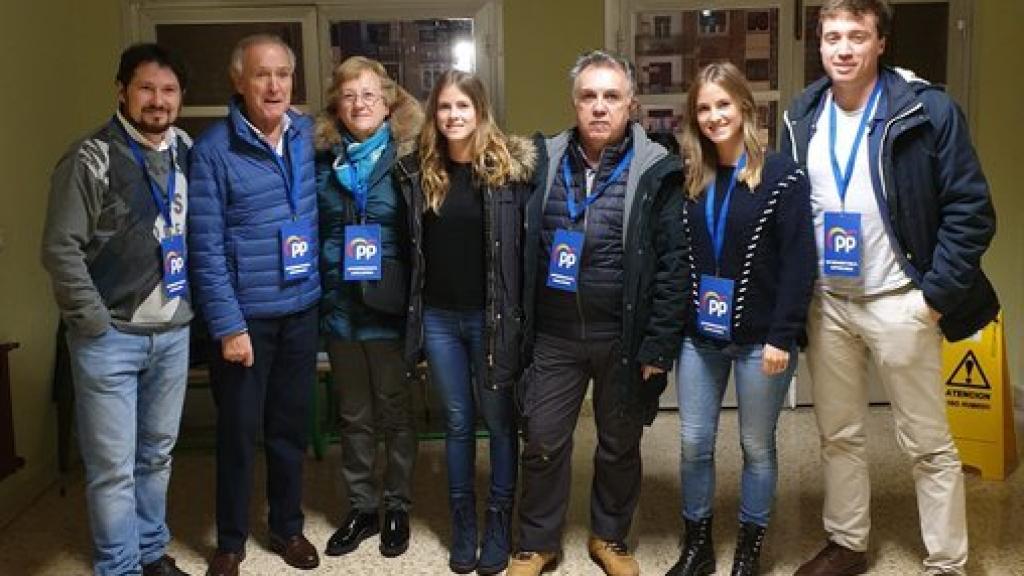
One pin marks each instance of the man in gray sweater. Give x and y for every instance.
(114, 245)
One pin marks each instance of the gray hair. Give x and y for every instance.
(238, 54)
(601, 58)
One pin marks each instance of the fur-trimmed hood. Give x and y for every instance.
(406, 119)
(523, 153)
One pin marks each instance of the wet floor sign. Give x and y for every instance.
(979, 401)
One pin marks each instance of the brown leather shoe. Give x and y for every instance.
(835, 560)
(531, 563)
(225, 563)
(296, 551)
(613, 557)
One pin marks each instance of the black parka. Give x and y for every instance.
(504, 208)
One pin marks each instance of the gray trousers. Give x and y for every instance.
(556, 386)
(374, 398)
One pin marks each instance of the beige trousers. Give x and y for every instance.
(895, 331)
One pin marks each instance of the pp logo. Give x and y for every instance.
(296, 247)
(841, 240)
(361, 249)
(715, 304)
(174, 263)
(565, 257)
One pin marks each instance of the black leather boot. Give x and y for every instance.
(746, 561)
(358, 526)
(394, 536)
(697, 558)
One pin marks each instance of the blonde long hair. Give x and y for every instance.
(491, 159)
(700, 153)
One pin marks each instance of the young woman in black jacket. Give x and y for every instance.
(465, 306)
(748, 218)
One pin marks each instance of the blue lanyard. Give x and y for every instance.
(359, 188)
(292, 185)
(843, 179)
(362, 194)
(164, 207)
(716, 227)
(575, 210)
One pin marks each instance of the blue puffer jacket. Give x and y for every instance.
(237, 205)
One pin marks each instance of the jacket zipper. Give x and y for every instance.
(792, 136)
(492, 302)
(882, 177)
(579, 271)
(881, 148)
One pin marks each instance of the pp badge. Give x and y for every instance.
(296, 251)
(362, 252)
(842, 244)
(564, 267)
(175, 276)
(714, 318)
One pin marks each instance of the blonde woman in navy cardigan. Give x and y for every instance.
(748, 218)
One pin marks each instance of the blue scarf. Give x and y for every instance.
(353, 168)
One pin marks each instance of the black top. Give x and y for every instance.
(769, 252)
(453, 245)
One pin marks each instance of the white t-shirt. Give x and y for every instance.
(880, 269)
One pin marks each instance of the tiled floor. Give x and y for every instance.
(51, 539)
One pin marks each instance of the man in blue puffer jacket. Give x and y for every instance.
(253, 241)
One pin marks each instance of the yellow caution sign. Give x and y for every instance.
(979, 401)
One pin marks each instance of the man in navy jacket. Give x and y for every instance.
(902, 215)
(253, 241)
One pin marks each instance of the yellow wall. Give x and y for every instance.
(542, 40)
(59, 59)
(998, 117)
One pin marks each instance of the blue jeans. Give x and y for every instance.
(129, 390)
(454, 342)
(702, 376)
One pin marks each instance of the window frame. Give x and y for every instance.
(142, 16)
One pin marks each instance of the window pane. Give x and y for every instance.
(206, 49)
(671, 46)
(670, 118)
(917, 42)
(415, 53)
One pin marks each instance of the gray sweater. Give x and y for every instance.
(101, 241)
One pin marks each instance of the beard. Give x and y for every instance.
(145, 126)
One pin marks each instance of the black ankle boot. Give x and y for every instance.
(697, 558)
(746, 561)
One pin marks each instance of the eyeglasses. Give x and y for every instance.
(366, 98)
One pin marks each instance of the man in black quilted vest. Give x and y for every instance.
(604, 302)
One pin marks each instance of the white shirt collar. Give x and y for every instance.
(286, 123)
(170, 136)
